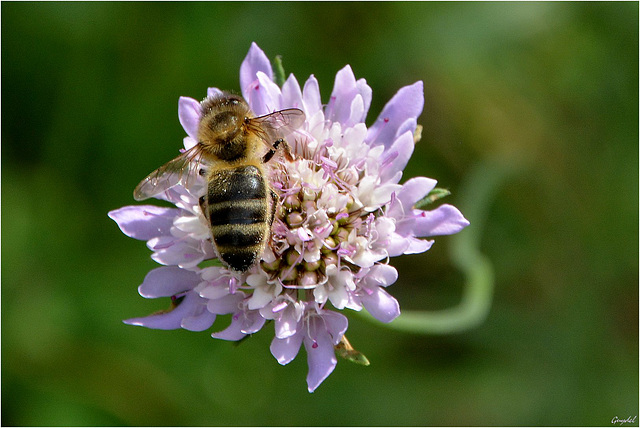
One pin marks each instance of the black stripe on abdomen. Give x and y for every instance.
(237, 184)
(230, 237)
(238, 212)
(239, 245)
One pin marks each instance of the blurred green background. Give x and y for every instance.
(537, 102)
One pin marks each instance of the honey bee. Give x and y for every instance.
(240, 202)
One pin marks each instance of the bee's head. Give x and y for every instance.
(222, 126)
(222, 118)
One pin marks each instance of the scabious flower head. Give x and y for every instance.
(341, 215)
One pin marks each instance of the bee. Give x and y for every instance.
(240, 202)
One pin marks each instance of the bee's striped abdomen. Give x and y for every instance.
(239, 214)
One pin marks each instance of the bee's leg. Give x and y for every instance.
(267, 157)
(201, 172)
(201, 201)
(278, 144)
(274, 202)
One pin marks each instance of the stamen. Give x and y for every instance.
(179, 295)
(322, 230)
(385, 121)
(304, 235)
(163, 246)
(360, 164)
(298, 286)
(346, 250)
(328, 163)
(280, 306)
(233, 285)
(389, 157)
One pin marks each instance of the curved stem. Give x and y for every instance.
(476, 197)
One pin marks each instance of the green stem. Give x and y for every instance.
(278, 71)
(476, 197)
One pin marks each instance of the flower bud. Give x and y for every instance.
(343, 217)
(349, 176)
(291, 202)
(295, 219)
(329, 245)
(311, 266)
(331, 259)
(342, 234)
(289, 274)
(308, 194)
(309, 279)
(270, 266)
(292, 256)
(309, 206)
(351, 205)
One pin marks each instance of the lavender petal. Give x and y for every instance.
(144, 222)
(189, 115)
(168, 281)
(444, 220)
(255, 61)
(407, 103)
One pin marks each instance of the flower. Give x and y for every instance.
(341, 214)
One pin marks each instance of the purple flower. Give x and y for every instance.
(342, 213)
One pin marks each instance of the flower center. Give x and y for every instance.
(317, 225)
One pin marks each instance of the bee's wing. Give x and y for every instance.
(168, 175)
(279, 123)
